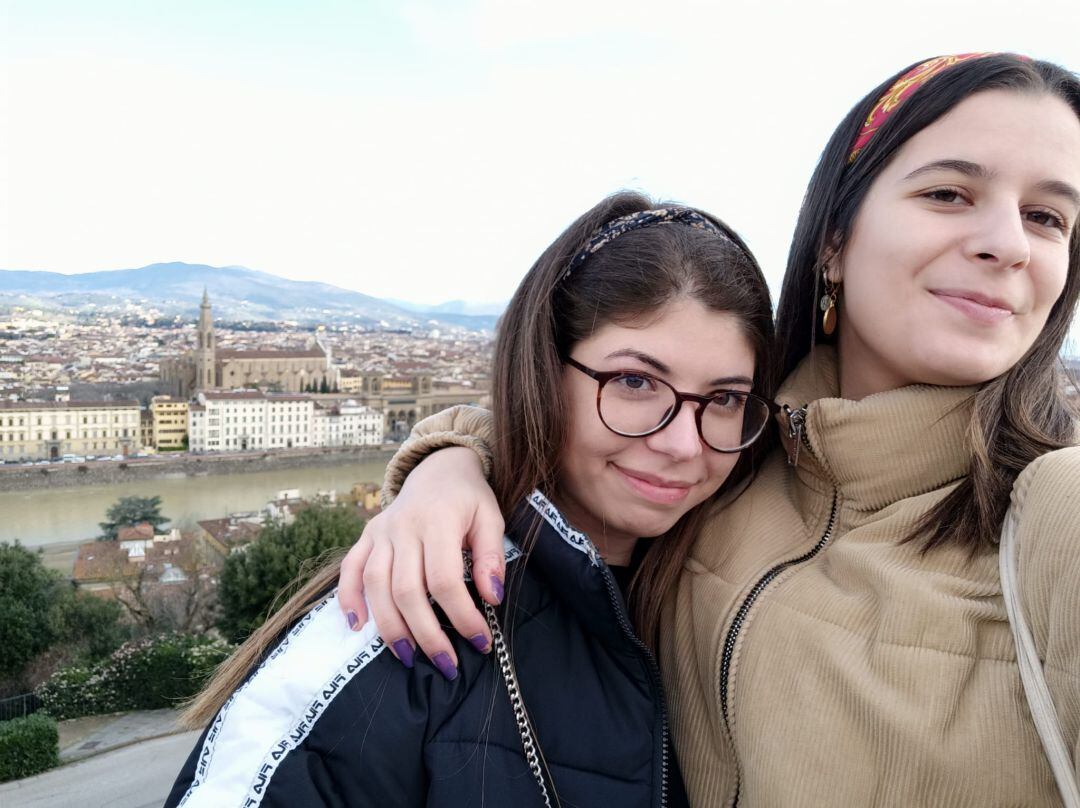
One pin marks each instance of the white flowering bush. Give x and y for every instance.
(145, 674)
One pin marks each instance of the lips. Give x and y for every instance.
(653, 488)
(976, 306)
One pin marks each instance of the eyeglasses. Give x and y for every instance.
(635, 404)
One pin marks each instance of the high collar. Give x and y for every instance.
(884, 448)
(570, 566)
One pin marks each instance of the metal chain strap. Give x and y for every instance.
(506, 665)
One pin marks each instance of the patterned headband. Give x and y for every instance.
(635, 221)
(902, 89)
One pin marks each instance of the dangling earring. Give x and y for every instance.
(828, 305)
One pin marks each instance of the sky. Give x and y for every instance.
(429, 151)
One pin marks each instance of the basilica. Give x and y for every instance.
(209, 368)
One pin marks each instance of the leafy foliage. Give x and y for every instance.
(282, 555)
(39, 612)
(147, 674)
(27, 746)
(128, 511)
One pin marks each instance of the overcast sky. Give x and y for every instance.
(430, 150)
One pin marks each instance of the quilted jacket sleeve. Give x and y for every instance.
(1047, 495)
(458, 426)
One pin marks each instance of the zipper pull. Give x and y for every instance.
(796, 422)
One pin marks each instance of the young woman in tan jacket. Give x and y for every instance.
(837, 635)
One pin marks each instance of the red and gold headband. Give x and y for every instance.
(902, 89)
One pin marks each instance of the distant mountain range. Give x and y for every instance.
(237, 293)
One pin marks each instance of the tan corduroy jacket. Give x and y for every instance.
(812, 658)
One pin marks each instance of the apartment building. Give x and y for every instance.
(170, 422)
(47, 430)
(347, 424)
(245, 420)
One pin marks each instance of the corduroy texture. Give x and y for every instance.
(870, 674)
(458, 426)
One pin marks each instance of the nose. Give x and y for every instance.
(999, 239)
(679, 440)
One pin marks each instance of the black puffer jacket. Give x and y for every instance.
(332, 718)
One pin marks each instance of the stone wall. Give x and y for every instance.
(59, 475)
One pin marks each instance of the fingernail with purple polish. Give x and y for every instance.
(480, 643)
(497, 585)
(404, 651)
(354, 621)
(445, 666)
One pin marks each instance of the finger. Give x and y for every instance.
(485, 539)
(384, 611)
(411, 599)
(351, 581)
(445, 572)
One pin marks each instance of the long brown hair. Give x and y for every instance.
(636, 274)
(1018, 416)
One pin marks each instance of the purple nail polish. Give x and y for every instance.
(497, 585)
(480, 643)
(354, 621)
(445, 666)
(404, 651)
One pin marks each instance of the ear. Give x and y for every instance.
(831, 261)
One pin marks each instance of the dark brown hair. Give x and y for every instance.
(1018, 416)
(633, 276)
(636, 274)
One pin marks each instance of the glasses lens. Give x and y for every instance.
(635, 404)
(733, 420)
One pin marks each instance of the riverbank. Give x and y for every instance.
(112, 472)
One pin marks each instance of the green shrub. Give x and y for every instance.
(144, 675)
(27, 746)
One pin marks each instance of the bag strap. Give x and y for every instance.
(1031, 670)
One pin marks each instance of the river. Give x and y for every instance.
(60, 516)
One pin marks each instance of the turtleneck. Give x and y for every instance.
(884, 448)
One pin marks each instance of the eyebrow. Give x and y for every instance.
(660, 367)
(967, 168)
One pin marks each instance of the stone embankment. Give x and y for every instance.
(107, 472)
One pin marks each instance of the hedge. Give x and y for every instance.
(27, 746)
(144, 675)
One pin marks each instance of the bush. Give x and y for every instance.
(147, 674)
(27, 746)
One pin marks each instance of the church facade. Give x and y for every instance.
(209, 368)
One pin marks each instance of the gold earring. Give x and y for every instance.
(828, 306)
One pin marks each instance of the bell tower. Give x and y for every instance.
(204, 350)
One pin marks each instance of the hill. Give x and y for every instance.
(237, 293)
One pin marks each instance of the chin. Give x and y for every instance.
(965, 365)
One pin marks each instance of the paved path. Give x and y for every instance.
(136, 776)
(83, 737)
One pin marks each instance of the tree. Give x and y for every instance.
(128, 511)
(323, 386)
(44, 621)
(28, 592)
(282, 555)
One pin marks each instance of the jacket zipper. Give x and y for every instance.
(654, 674)
(796, 424)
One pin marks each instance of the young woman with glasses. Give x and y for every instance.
(613, 440)
(838, 634)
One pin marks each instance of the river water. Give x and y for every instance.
(63, 515)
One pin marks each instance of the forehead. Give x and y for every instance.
(1022, 133)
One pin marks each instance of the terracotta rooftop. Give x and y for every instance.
(66, 405)
(141, 531)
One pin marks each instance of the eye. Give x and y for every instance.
(948, 196)
(1046, 218)
(635, 382)
(729, 401)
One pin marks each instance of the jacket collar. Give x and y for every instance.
(572, 569)
(884, 448)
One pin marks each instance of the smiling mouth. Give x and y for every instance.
(976, 307)
(653, 488)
